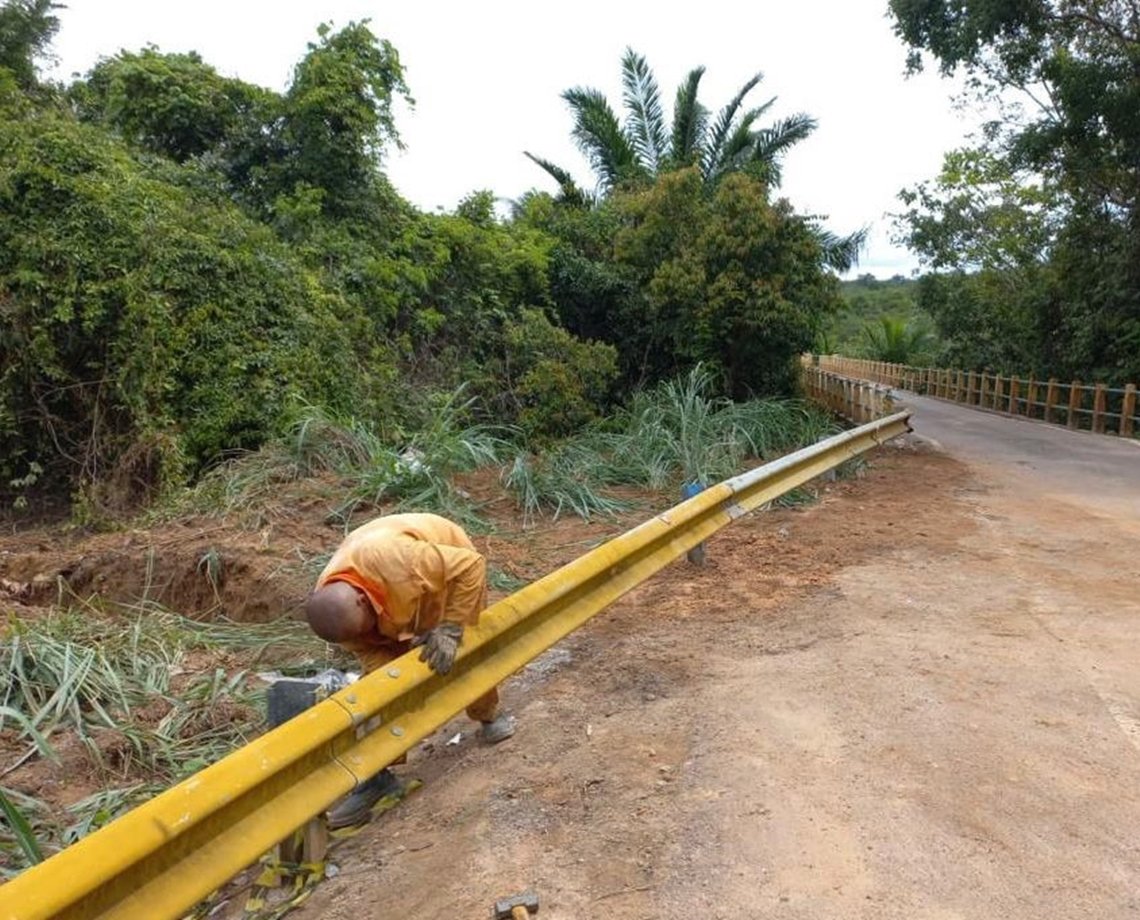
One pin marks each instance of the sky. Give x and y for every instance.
(487, 79)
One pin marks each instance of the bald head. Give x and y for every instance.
(338, 612)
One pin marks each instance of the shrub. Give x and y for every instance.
(145, 329)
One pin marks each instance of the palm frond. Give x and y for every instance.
(771, 143)
(722, 127)
(841, 253)
(642, 98)
(600, 137)
(569, 191)
(737, 149)
(690, 120)
(894, 340)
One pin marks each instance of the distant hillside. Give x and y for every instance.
(865, 301)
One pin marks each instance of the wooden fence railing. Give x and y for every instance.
(1086, 406)
(858, 401)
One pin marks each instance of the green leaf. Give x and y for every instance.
(25, 837)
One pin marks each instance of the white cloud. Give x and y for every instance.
(487, 78)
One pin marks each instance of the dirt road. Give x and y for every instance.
(917, 698)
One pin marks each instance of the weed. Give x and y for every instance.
(211, 566)
(22, 831)
(122, 682)
(504, 581)
(676, 432)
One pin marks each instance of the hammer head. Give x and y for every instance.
(504, 906)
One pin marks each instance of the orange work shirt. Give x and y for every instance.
(418, 570)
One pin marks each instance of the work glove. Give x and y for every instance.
(440, 646)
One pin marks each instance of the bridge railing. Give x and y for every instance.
(162, 858)
(856, 400)
(1092, 407)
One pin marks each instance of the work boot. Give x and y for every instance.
(498, 729)
(355, 808)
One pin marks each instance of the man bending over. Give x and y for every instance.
(401, 581)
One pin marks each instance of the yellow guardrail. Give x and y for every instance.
(163, 857)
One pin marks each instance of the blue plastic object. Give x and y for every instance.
(697, 554)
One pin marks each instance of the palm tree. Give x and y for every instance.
(644, 146)
(895, 340)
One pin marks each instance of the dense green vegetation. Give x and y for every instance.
(1034, 233)
(191, 266)
(881, 320)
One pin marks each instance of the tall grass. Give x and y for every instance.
(22, 831)
(418, 474)
(678, 432)
(128, 689)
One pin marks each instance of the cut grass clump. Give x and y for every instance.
(137, 700)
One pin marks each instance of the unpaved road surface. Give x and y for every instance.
(917, 698)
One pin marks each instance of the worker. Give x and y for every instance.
(397, 582)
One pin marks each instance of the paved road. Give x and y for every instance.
(1100, 470)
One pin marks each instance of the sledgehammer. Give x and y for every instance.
(516, 907)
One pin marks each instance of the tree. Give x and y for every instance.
(895, 340)
(337, 114)
(645, 146)
(734, 282)
(175, 105)
(1069, 147)
(980, 212)
(26, 30)
(145, 329)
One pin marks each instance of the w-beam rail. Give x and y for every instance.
(163, 857)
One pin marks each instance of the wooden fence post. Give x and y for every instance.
(1128, 410)
(1031, 399)
(1100, 398)
(996, 396)
(982, 391)
(1074, 403)
(1051, 399)
(970, 389)
(1013, 393)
